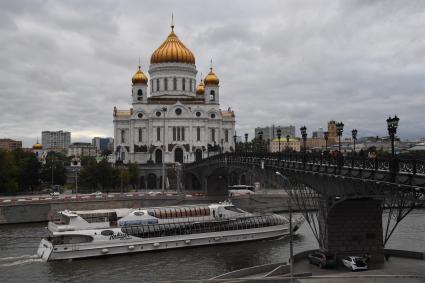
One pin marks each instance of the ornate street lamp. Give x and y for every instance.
(287, 142)
(339, 130)
(392, 124)
(279, 135)
(246, 142)
(303, 130)
(326, 134)
(354, 135)
(164, 110)
(234, 140)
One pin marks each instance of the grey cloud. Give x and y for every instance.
(66, 64)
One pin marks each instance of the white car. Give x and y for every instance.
(354, 263)
(96, 193)
(54, 194)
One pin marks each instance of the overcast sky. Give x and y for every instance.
(66, 64)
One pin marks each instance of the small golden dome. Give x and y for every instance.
(200, 89)
(211, 78)
(172, 50)
(37, 146)
(139, 78)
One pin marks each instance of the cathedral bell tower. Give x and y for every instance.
(140, 87)
(211, 82)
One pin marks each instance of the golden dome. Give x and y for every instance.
(172, 50)
(37, 146)
(211, 78)
(139, 78)
(200, 89)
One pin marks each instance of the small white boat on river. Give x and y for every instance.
(81, 234)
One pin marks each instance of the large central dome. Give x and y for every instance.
(172, 50)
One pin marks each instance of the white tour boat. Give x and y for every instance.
(80, 234)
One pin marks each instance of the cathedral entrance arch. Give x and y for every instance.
(178, 155)
(151, 181)
(158, 156)
(198, 155)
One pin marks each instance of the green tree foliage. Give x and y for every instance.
(55, 167)
(19, 171)
(133, 172)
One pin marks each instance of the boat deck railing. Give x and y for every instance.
(198, 227)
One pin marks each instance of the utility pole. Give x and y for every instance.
(164, 110)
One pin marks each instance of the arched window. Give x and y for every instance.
(178, 155)
(174, 83)
(157, 84)
(212, 95)
(190, 84)
(184, 84)
(165, 84)
(139, 94)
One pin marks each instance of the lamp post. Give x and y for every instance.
(303, 130)
(246, 143)
(354, 135)
(291, 250)
(339, 130)
(392, 124)
(260, 137)
(164, 110)
(222, 147)
(234, 140)
(326, 134)
(287, 142)
(279, 135)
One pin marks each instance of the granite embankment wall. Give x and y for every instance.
(42, 211)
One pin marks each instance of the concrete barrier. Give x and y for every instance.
(407, 254)
(240, 273)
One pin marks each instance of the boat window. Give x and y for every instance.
(72, 239)
(173, 213)
(139, 213)
(198, 211)
(178, 213)
(107, 232)
(192, 211)
(233, 208)
(151, 213)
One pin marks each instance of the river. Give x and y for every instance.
(18, 262)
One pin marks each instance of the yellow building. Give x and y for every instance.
(293, 144)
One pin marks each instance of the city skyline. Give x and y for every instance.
(66, 65)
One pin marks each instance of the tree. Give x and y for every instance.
(133, 172)
(88, 174)
(103, 174)
(8, 173)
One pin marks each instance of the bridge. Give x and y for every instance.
(359, 201)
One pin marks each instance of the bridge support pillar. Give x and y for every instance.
(353, 228)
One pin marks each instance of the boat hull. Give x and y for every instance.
(133, 244)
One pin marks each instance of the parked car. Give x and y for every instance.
(354, 263)
(55, 194)
(96, 193)
(322, 260)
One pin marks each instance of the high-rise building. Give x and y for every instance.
(80, 149)
(103, 143)
(332, 131)
(318, 134)
(55, 139)
(9, 144)
(270, 132)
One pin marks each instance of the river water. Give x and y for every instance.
(18, 262)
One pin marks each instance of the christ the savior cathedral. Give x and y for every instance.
(172, 118)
